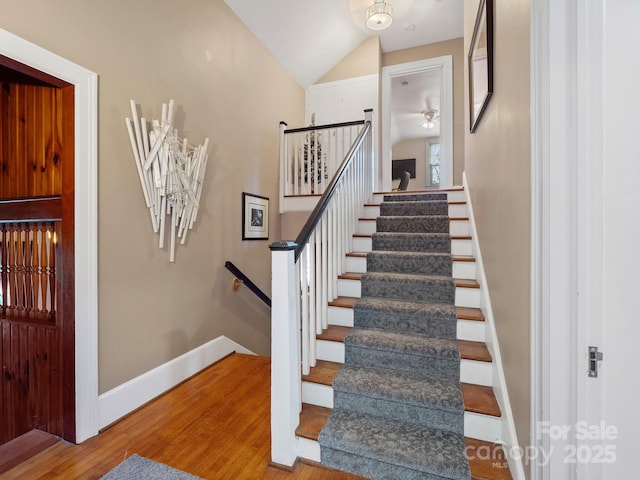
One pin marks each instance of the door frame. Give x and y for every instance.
(445, 65)
(567, 200)
(85, 218)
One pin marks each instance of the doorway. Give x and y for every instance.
(418, 109)
(17, 53)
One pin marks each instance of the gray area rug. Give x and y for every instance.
(140, 468)
(398, 409)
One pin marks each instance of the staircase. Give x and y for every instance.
(402, 388)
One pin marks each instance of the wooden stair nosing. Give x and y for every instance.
(463, 313)
(453, 237)
(460, 282)
(469, 350)
(489, 464)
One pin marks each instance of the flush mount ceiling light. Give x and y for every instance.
(379, 15)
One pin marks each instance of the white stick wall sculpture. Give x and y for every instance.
(171, 173)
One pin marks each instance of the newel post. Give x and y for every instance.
(368, 117)
(285, 353)
(283, 161)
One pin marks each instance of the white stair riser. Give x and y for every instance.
(457, 228)
(452, 195)
(476, 425)
(458, 247)
(466, 329)
(471, 371)
(466, 270)
(455, 210)
(317, 394)
(471, 330)
(309, 449)
(483, 427)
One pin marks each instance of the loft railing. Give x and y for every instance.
(304, 280)
(310, 156)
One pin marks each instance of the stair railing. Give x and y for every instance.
(243, 279)
(310, 156)
(304, 280)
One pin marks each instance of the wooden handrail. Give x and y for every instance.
(324, 127)
(323, 203)
(252, 286)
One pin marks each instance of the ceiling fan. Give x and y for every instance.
(429, 116)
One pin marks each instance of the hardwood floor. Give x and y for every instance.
(214, 425)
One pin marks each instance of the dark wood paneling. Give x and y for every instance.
(32, 141)
(28, 390)
(36, 161)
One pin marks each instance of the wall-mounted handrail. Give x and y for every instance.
(247, 281)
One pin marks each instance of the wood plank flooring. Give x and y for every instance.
(214, 425)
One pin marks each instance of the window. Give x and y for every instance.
(433, 170)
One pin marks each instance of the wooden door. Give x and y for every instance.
(37, 386)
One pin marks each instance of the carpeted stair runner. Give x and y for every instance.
(398, 408)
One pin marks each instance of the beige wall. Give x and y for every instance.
(414, 148)
(226, 86)
(362, 60)
(497, 169)
(455, 48)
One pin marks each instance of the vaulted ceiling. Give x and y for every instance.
(309, 37)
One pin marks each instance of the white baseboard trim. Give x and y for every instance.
(125, 398)
(509, 436)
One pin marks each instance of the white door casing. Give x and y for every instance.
(444, 65)
(584, 213)
(86, 217)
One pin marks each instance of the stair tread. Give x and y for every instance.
(359, 434)
(416, 192)
(470, 313)
(466, 283)
(312, 419)
(469, 350)
(414, 344)
(334, 333)
(462, 202)
(487, 460)
(474, 351)
(463, 313)
(480, 399)
(492, 465)
(409, 388)
(453, 237)
(460, 282)
(323, 373)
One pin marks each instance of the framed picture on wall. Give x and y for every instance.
(255, 217)
(480, 64)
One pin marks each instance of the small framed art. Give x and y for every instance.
(255, 217)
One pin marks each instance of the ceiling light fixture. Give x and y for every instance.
(429, 117)
(379, 15)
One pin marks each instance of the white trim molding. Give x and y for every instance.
(125, 398)
(85, 85)
(445, 65)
